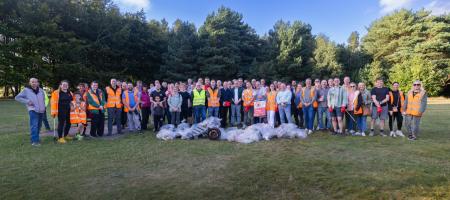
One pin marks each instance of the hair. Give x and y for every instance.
(395, 83)
(64, 81)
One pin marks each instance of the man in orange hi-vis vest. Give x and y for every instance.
(96, 103)
(213, 96)
(114, 106)
(413, 109)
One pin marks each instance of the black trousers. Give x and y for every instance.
(294, 111)
(224, 115)
(157, 121)
(301, 119)
(145, 115)
(123, 118)
(63, 123)
(396, 116)
(97, 124)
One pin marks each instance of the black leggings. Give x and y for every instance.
(398, 117)
(63, 123)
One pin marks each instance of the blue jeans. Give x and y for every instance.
(199, 113)
(285, 113)
(323, 111)
(235, 114)
(350, 124)
(45, 121)
(362, 123)
(308, 111)
(213, 111)
(35, 125)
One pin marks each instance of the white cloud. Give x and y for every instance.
(438, 7)
(391, 5)
(134, 4)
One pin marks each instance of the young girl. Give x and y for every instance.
(78, 114)
(158, 113)
(271, 105)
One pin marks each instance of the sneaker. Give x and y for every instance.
(79, 137)
(35, 144)
(61, 141)
(399, 133)
(310, 132)
(307, 131)
(392, 134)
(363, 134)
(357, 134)
(371, 133)
(68, 137)
(382, 134)
(411, 137)
(352, 132)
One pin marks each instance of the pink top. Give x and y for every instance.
(351, 96)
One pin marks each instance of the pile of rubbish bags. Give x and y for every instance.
(253, 133)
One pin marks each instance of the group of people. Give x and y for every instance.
(312, 104)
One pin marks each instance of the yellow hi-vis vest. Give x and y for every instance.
(199, 97)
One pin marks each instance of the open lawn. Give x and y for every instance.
(142, 167)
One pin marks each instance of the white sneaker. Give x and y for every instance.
(363, 134)
(306, 131)
(352, 132)
(310, 132)
(357, 134)
(399, 133)
(382, 134)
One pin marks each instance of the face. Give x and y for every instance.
(113, 82)
(94, 86)
(257, 84)
(272, 87)
(352, 86)
(317, 82)
(189, 81)
(337, 82)
(175, 89)
(198, 86)
(77, 97)
(417, 85)
(395, 87)
(347, 80)
(323, 83)
(144, 88)
(34, 83)
(330, 82)
(64, 85)
(81, 87)
(249, 85)
(263, 82)
(207, 81)
(164, 84)
(308, 82)
(157, 86)
(283, 86)
(182, 87)
(213, 83)
(294, 83)
(299, 87)
(130, 86)
(361, 86)
(379, 83)
(124, 85)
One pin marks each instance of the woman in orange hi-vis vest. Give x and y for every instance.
(248, 98)
(413, 109)
(271, 105)
(60, 107)
(78, 114)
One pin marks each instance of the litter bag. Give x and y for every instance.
(233, 134)
(249, 135)
(166, 134)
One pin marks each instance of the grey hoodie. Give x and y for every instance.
(28, 95)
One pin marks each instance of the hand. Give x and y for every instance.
(403, 113)
(330, 109)
(101, 107)
(342, 109)
(30, 103)
(391, 112)
(53, 115)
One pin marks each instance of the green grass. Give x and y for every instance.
(142, 167)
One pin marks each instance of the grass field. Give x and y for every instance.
(142, 167)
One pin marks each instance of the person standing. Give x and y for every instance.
(225, 99)
(284, 104)
(259, 94)
(380, 98)
(213, 96)
(60, 107)
(158, 113)
(96, 103)
(123, 116)
(162, 96)
(329, 124)
(236, 104)
(44, 119)
(294, 109)
(145, 107)
(78, 114)
(396, 98)
(271, 105)
(248, 102)
(413, 108)
(321, 98)
(186, 105)
(337, 100)
(308, 97)
(130, 99)
(362, 108)
(198, 103)
(352, 94)
(317, 86)
(114, 106)
(174, 102)
(298, 105)
(33, 97)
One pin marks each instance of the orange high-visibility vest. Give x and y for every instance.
(114, 98)
(355, 104)
(213, 97)
(95, 98)
(271, 104)
(311, 95)
(54, 101)
(247, 97)
(401, 99)
(413, 106)
(127, 100)
(78, 114)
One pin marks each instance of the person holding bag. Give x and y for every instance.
(60, 107)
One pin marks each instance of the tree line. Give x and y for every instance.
(84, 40)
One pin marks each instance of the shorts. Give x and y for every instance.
(336, 112)
(383, 115)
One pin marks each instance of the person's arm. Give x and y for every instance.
(328, 99)
(423, 103)
(179, 102)
(405, 104)
(344, 98)
(288, 98)
(125, 103)
(22, 98)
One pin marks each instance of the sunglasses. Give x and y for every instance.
(352, 86)
(416, 84)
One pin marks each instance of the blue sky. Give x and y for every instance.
(334, 18)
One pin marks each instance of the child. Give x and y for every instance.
(174, 102)
(78, 114)
(158, 112)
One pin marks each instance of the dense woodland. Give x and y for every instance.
(84, 40)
